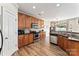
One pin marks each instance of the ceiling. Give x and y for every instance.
(49, 11)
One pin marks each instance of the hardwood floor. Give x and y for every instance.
(40, 48)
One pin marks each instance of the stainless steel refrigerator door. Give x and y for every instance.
(1, 41)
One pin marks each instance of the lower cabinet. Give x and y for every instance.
(73, 48)
(20, 38)
(70, 46)
(65, 45)
(42, 35)
(30, 39)
(24, 40)
(60, 41)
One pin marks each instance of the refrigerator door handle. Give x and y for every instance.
(1, 41)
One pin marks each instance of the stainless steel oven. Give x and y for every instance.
(36, 35)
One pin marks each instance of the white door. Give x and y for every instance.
(9, 32)
(12, 33)
(5, 32)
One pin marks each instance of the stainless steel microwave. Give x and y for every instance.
(35, 25)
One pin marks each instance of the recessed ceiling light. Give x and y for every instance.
(57, 5)
(34, 7)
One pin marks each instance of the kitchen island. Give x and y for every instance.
(68, 41)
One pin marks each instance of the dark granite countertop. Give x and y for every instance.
(70, 36)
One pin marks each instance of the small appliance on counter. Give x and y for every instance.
(35, 25)
(23, 31)
(20, 32)
(26, 31)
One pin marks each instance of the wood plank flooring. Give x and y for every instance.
(40, 48)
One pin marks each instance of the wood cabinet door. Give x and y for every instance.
(30, 40)
(73, 48)
(41, 36)
(28, 22)
(20, 38)
(65, 44)
(44, 35)
(59, 41)
(36, 21)
(32, 20)
(42, 23)
(21, 21)
(25, 40)
(62, 42)
(39, 23)
(77, 48)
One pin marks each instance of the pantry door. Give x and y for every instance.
(9, 32)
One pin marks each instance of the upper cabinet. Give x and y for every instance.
(25, 21)
(36, 20)
(32, 20)
(21, 21)
(28, 22)
(41, 23)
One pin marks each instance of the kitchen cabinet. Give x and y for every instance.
(28, 22)
(25, 21)
(39, 23)
(63, 42)
(30, 39)
(42, 35)
(21, 21)
(70, 46)
(73, 48)
(32, 20)
(42, 23)
(20, 40)
(60, 41)
(36, 20)
(25, 40)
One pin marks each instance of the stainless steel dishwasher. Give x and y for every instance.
(53, 39)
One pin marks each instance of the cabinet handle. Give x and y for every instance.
(6, 37)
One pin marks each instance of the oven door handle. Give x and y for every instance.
(1, 41)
